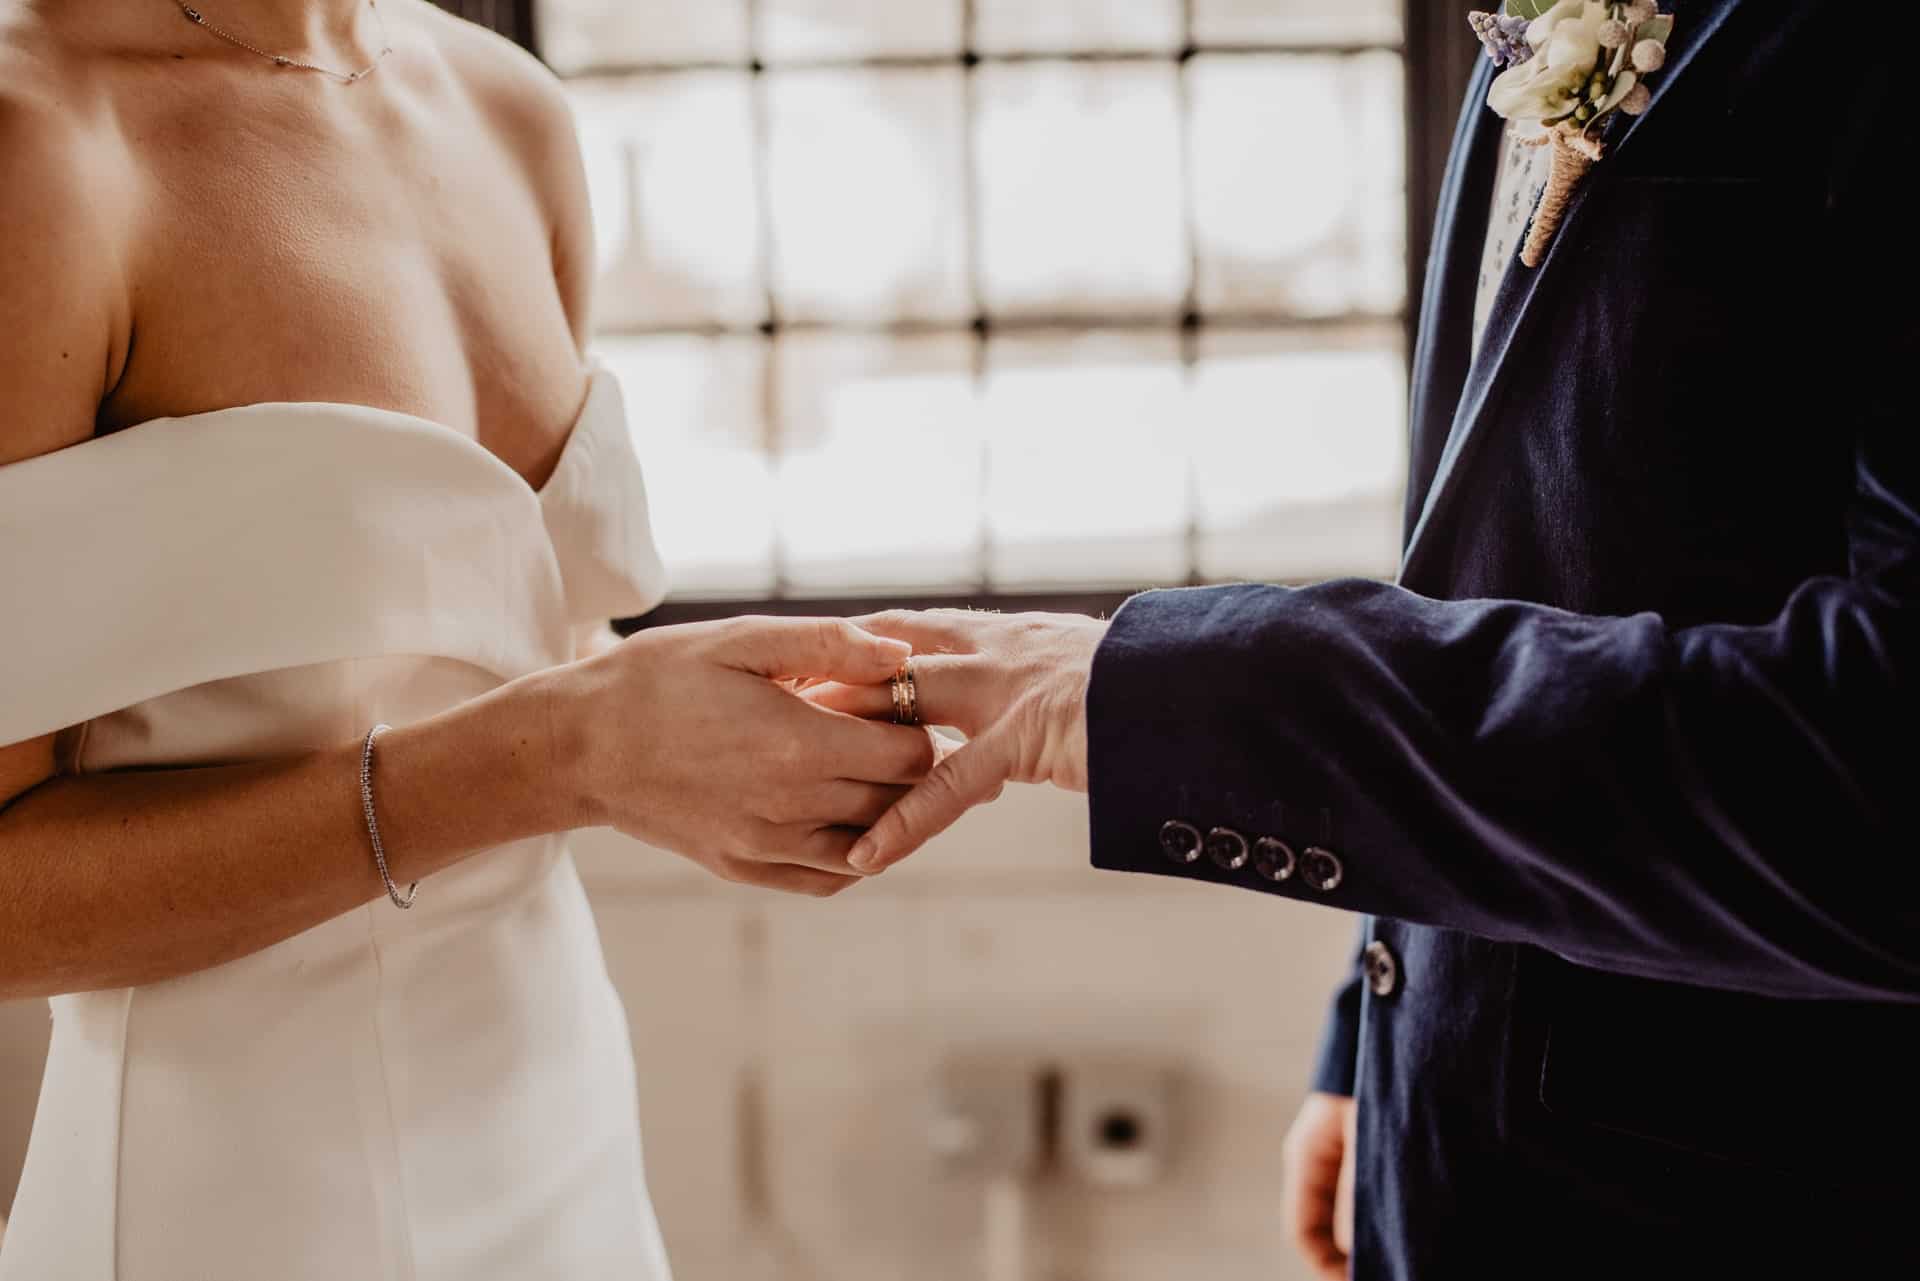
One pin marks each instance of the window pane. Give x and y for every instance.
(670, 170)
(858, 28)
(1298, 183)
(1296, 21)
(1299, 454)
(848, 199)
(866, 178)
(879, 477)
(1080, 189)
(1087, 470)
(694, 409)
(1026, 26)
(577, 34)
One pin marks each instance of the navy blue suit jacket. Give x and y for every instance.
(1622, 771)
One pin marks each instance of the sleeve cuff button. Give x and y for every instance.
(1179, 841)
(1273, 858)
(1227, 848)
(1321, 868)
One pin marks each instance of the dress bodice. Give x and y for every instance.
(238, 542)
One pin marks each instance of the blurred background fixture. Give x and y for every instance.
(1007, 302)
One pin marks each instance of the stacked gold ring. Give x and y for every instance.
(906, 696)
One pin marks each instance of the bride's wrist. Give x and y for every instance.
(558, 734)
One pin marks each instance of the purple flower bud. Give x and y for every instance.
(1504, 37)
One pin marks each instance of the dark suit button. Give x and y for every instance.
(1321, 868)
(1273, 858)
(1180, 841)
(1382, 971)
(1227, 848)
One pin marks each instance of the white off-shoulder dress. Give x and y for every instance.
(445, 1094)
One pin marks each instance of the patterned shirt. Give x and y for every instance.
(1517, 185)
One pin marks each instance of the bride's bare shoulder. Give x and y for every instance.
(38, 55)
(61, 301)
(527, 110)
(58, 127)
(519, 95)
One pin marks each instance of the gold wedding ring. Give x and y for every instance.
(906, 696)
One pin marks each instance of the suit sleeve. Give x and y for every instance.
(1727, 806)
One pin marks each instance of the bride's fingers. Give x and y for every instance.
(811, 846)
(780, 648)
(868, 702)
(875, 753)
(971, 776)
(789, 878)
(854, 804)
(931, 631)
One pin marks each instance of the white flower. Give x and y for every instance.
(1566, 49)
(1623, 86)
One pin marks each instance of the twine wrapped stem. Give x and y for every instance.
(1573, 154)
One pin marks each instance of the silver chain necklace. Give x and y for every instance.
(282, 60)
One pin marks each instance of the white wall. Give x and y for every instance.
(787, 1049)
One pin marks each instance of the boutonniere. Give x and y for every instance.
(1569, 65)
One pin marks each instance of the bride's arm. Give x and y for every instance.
(118, 879)
(678, 736)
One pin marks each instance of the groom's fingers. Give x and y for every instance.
(950, 689)
(953, 689)
(969, 777)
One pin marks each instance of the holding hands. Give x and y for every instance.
(693, 739)
(762, 748)
(1015, 685)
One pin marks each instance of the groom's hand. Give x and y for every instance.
(1015, 684)
(1317, 1160)
(695, 740)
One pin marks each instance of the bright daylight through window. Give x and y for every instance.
(926, 296)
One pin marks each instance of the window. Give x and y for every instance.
(928, 298)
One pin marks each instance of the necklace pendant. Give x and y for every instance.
(193, 15)
(281, 60)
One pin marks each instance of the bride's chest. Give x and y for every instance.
(397, 261)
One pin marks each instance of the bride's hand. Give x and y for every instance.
(689, 738)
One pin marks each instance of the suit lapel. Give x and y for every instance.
(1518, 300)
(1441, 354)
